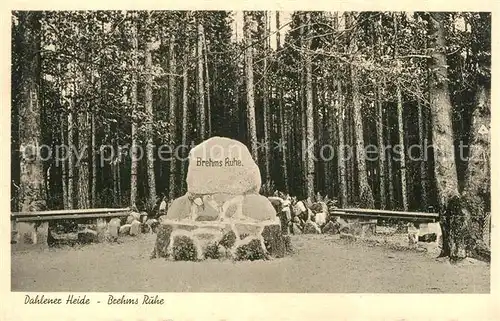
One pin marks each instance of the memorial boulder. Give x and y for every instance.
(221, 215)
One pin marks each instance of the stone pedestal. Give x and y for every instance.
(188, 240)
(222, 215)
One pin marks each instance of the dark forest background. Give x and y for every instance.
(92, 78)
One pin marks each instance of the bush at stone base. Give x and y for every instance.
(251, 251)
(213, 251)
(162, 241)
(228, 240)
(184, 249)
(274, 240)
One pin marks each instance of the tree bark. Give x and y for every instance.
(83, 161)
(252, 129)
(365, 190)
(172, 113)
(422, 138)
(201, 88)
(309, 116)
(134, 156)
(401, 140)
(207, 84)
(381, 147)
(453, 219)
(477, 187)
(185, 84)
(282, 116)
(31, 192)
(148, 104)
(341, 159)
(390, 180)
(265, 101)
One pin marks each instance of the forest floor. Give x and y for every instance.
(320, 263)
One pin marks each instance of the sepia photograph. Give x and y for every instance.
(249, 152)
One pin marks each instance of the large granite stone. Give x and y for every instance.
(258, 207)
(222, 165)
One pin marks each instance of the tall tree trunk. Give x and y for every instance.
(135, 160)
(71, 143)
(309, 116)
(390, 180)
(477, 187)
(401, 140)
(422, 138)
(453, 222)
(381, 147)
(207, 84)
(365, 190)
(402, 153)
(63, 163)
(265, 101)
(201, 88)
(379, 118)
(31, 192)
(93, 160)
(118, 168)
(185, 84)
(172, 113)
(252, 129)
(83, 161)
(148, 104)
(282, 119)
(302, 113)
(341, 159)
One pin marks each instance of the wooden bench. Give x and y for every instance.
(33, 227)
(417, 217)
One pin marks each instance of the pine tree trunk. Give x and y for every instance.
(31, 193)
(135, 160)
(422, 138)
(252, 129)
(365, 190)
(309, 117)
(401, 140)
(71, 145)
(94, 164)
(63, 163)
(282, 116)
(201, 88)
(402, 154)
(453, 222)
(172, 113)
(207, 84)
(148, 104)
(477, 189)
(381, 148)
(118, 169)
(390, 180)
(83, 161)
(341, 159)
(185, 84)
(265, 101)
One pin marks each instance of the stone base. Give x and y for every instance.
(188, 240)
